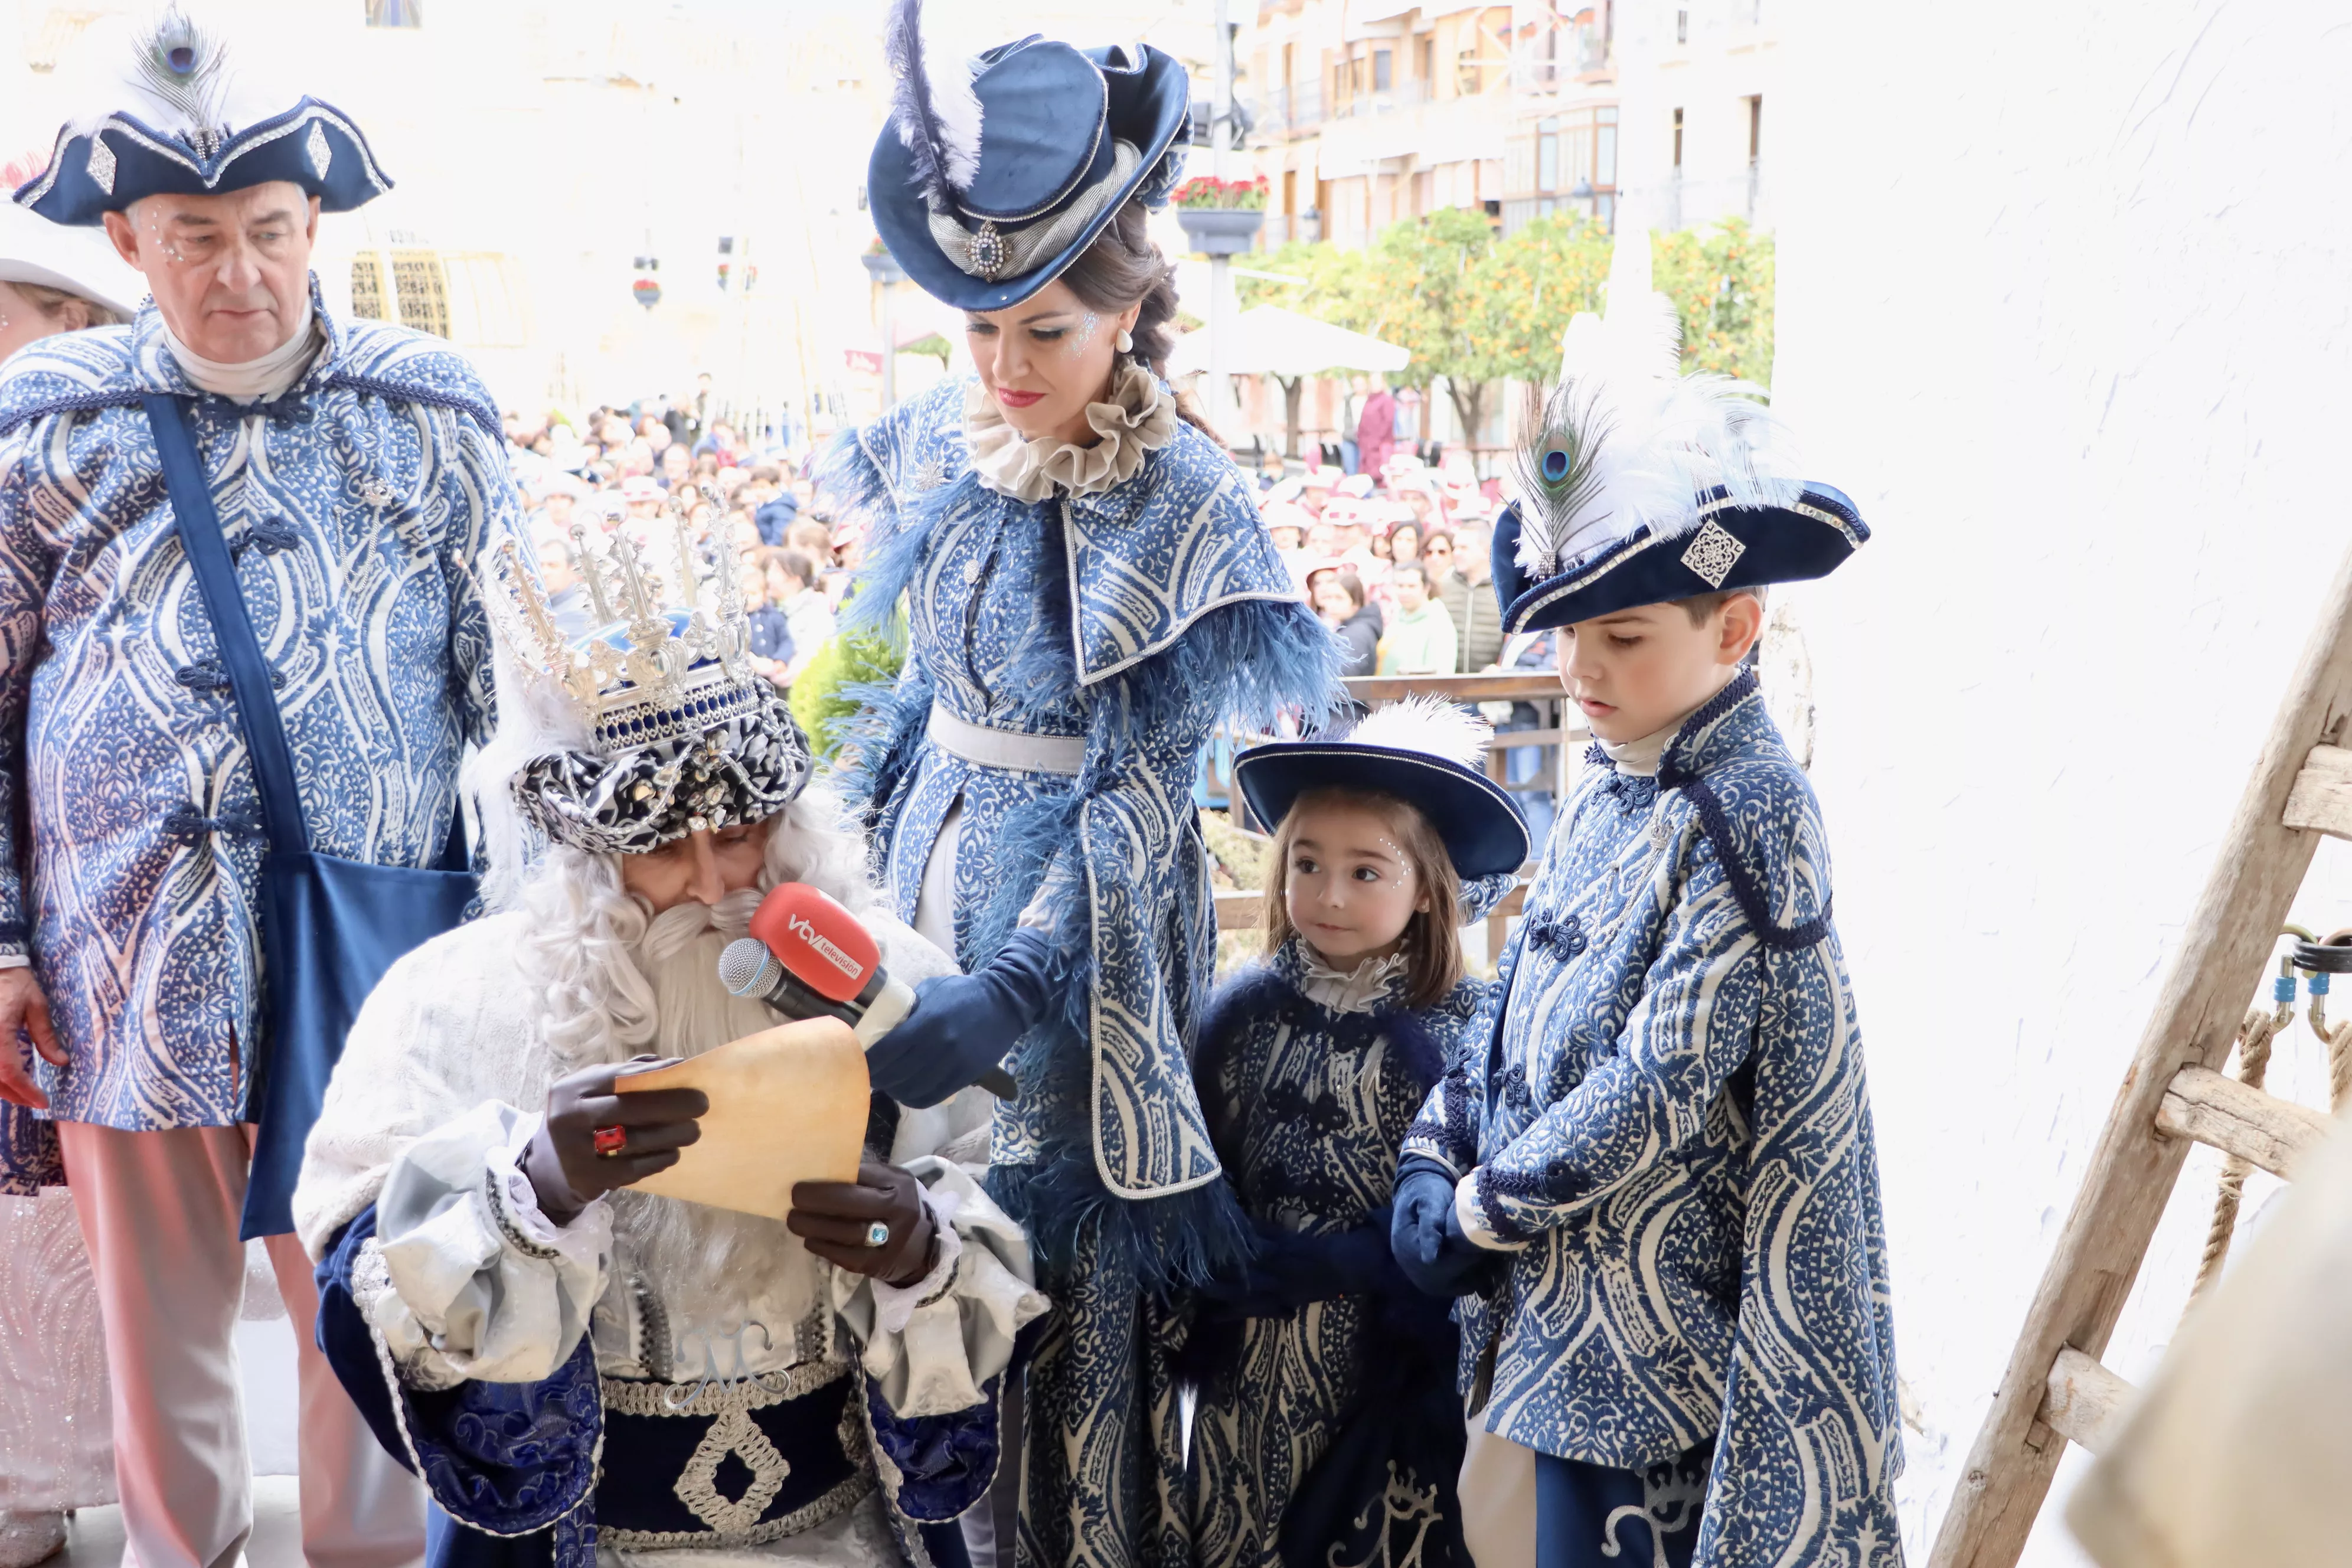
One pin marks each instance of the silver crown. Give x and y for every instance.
(659, 664)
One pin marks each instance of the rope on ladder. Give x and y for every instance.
(2253, 1062)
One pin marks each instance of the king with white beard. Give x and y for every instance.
(582, 1373)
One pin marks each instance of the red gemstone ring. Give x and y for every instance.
(610, 1140)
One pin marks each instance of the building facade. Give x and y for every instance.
(1697, 84)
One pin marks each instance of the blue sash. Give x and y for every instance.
(330, 927)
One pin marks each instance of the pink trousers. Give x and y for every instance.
(159, 1212)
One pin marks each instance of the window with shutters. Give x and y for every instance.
(367, 288)
(422, 292)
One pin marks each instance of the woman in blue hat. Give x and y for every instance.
(1325, 1427)
(1089, 592)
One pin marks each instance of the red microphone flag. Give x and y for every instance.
(822, 945)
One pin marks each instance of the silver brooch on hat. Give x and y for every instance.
(989, 251)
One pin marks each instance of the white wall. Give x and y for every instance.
(2063, 304)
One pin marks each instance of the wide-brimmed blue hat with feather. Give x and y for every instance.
(176, 112)
(1639, 484)
(998, 170)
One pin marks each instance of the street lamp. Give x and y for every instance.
(883, 268)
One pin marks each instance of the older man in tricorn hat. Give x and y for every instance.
(240, 636)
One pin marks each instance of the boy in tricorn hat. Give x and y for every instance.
(1654, 1188)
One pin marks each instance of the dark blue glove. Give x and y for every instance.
(1425, 1236)
(963, 1025)
(1290, 1270)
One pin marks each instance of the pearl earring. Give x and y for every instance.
(1126, 341)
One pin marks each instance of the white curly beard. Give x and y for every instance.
(618, 981)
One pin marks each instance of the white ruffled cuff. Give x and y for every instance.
(482, 1284)
(933, 1346)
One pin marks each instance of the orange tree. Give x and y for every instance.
(1720, 280)
(1481, 310)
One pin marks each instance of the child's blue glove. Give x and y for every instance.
(962, 1025)
(1425, 1237)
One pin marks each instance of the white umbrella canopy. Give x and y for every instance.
(1270, 341)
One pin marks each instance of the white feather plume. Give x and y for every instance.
(1654, 438)
(933, 105)
(955, 106)
(1431, 726)
(125, 64)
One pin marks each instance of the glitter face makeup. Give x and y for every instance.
(1089, 325)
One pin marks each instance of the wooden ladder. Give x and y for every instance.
(2174, 1094)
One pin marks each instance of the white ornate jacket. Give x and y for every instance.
(356, 505)
(1669, 1136)
(558, 1379)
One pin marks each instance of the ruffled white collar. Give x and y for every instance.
(1358, 990)
(1138, 418)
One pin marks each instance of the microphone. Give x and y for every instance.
(807, 957)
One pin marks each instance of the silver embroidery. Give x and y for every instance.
(697, 1486)
(315, 148)
(731, 1404)
(1712, 554)
(101, 164)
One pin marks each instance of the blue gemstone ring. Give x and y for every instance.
(877, 1234)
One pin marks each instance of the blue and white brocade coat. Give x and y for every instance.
(1671, 1121)
(355, 506)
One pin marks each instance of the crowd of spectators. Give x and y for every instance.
(615, 469)
(1398, 562)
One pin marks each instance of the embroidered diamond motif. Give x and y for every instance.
(1713, 554)
(315, 148)
(101, 164)
(733, 1432)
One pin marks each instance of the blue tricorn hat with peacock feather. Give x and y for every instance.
(175, 114)
(997, 171)
(1639, 484)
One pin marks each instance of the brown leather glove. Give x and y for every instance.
(564, 1168)
(836, 1219)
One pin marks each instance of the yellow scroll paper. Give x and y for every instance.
(787, 1105)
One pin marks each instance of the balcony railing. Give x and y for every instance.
(1553, 63)
(1285, 111)
(1385, 100)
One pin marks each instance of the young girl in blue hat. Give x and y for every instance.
(1324, 1414)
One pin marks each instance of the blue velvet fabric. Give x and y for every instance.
(312, 145)
(1810, 538)
(1049, 117)
(945, 1462)
(1596, 1516)
(508, 1465)
(508, 1458)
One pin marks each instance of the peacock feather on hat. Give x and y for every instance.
(1626, 440)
